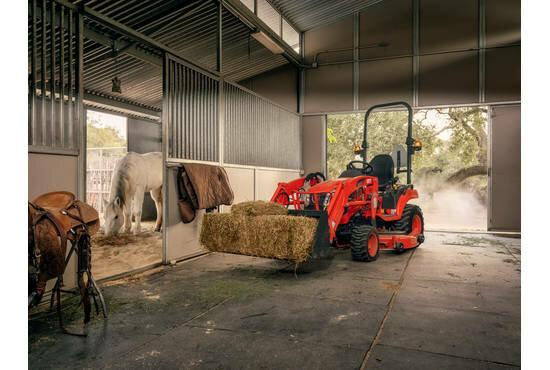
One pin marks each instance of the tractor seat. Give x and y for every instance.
(383, 168)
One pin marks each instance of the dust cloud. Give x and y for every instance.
(451, 208)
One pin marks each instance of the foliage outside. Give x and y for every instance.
(101, 131)
(453, 155)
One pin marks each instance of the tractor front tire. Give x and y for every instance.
(364, 243)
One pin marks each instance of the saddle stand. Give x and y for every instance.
(74, 222)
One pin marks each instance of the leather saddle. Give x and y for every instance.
(67, 212)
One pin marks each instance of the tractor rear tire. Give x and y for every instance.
(365, 245)
(411, 214)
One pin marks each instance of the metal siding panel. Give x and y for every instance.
(334, 36)
(448, 79)
(385, 80)
(389, 21)
(258, 132)
(329, 88)
(503, 22)
(503, 75)
(505, 175)
(449, 25)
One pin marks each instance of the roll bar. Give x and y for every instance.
(409, 141)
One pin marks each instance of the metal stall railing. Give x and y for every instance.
(55, 69)
(258, 132)
(191, 112)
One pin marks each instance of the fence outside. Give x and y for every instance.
(101, 164)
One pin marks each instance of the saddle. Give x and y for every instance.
(55, 219)
(52, 216)
(66, 212)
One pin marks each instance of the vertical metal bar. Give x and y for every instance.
(203, 119)
(62, 76)
(301, 78)
(482, 43)
(174, 70)
(256, 7)
(32, 87)
(221, 122)
(188, 73)
(81, 114)
(416, 52)
(70, 87)
(53, 122)
(219, 43)
(179, 111)
(43, 73)
(192, 120)
(356, 61)
(166, 182)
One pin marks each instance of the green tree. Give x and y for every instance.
(101, 137)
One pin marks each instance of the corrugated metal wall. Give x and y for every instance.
(54, 88)
(259, 132)
(192, 110)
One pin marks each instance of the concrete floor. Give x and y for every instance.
(454, 303)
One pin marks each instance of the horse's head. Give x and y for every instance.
(113, 214)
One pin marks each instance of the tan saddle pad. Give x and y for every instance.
(69, 211)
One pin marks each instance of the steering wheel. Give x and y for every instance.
(366, 168)
(315, 177)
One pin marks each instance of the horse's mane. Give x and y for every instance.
(121, 179)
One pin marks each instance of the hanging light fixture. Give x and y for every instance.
(116, 86)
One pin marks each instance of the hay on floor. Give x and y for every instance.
(258, 208)
(275, 236)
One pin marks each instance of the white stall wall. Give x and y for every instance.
(183, 239)
(267, 180)
(48, 172)
(242, 183)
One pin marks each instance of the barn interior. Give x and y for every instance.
(272, 90)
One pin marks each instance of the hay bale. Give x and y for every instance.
(258, 208)
(274, 236)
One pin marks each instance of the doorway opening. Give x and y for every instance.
(450, 172)
(110, 137)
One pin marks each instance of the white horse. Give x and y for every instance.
(134, 175)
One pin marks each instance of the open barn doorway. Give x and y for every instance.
(450, 172)
(110, 138)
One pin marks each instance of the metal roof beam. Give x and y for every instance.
(124, 46)
(107, 100)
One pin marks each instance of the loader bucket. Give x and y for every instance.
(321, 245)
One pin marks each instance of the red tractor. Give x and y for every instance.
(366, 208)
